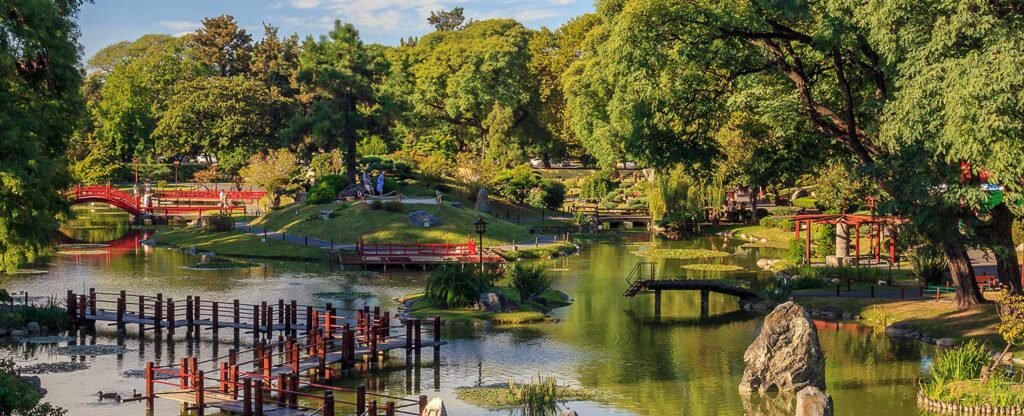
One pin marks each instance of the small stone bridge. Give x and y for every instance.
(642, 280)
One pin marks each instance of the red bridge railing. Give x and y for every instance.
(417, 249)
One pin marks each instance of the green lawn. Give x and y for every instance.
(233, 243)
(355, 220)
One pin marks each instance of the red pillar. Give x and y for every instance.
(856, 244)
(807, 246)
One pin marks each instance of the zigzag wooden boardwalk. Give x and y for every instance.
(281, 372)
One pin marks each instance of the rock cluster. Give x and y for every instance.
(419, 218)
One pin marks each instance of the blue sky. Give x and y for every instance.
(104, 22)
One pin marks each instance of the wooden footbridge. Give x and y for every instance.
(643, 280)
(613, 216)
(286, 377)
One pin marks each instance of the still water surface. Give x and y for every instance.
(641, 365)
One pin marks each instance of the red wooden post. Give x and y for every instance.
(92, 300)
(70, 302)
(328, 322)
(183, 375)
(234, 381)
(189, 310)
(216, 316)
(423, 403)
(372, 409)
(390, 409)
(224, 379)
(281, 390)
(807, 246)
(417, 329)
(200, 402)
(258, 401)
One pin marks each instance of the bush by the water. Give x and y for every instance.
(327, 189)
(453, 287)
(953, 365)
(220, 222)
(530, 281)
(594, 187)
(523, 184)
(19, 397)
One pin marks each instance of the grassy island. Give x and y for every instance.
(353, 220)
(235, 243)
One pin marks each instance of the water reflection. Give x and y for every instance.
(643, 365)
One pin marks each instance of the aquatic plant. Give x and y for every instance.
(707, 267)
(928, 264)
(879, 318)
(680, 253)
(539, 396)
(529, 281)
(517, 318)
(958, 364)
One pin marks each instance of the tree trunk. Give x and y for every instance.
(350, 156)
(960, 269)
(753, 204)
(999, 238)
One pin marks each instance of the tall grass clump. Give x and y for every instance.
(958, 364)
(453, 288)
(538, 397)
(928, 264)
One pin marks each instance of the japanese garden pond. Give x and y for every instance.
(638, 364)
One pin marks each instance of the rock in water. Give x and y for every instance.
(813, 402)
(435, 408)
(483, 203)
(786, 356)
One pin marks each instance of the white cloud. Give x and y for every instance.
(305, 4)
(180, 25)
(562, 2)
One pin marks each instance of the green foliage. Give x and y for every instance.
(959, 364)
(327, 189)
(1011, 319)
(796, 251)
(328, 163)
(595, 187)
(40, 105)
(548, 194)
(274, 171)
(536, 398)
(841, 188)
(220, 222)
(928, 264)
(516, 183)
(824, 240)
(223, 46)
(447, 20)
(530, 281)
(339, 73)
(452, 287)
(782, 223)
(372, 145)
(226, 116)
(19, 397)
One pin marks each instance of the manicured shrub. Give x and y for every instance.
(321, 193)
(453, 288)
(516, 183)
(530, 281)
(782, 223)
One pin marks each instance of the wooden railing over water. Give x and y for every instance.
(314, 344)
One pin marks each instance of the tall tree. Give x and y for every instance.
(447, 20)
(473, 87)
(845, 76)
(275, 60)
(337, 74)
(136, 92)
(232, 118)
(222, 45)
(551, 54)
(40, 104)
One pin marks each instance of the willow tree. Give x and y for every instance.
(40, 103)
(849, 66)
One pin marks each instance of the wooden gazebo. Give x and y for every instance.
(875, 223)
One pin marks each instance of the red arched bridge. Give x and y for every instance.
(165, 203)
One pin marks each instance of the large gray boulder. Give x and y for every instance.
(483, 202)
(420, 218)
(786, 356)
(813, 402)
(32, 327)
